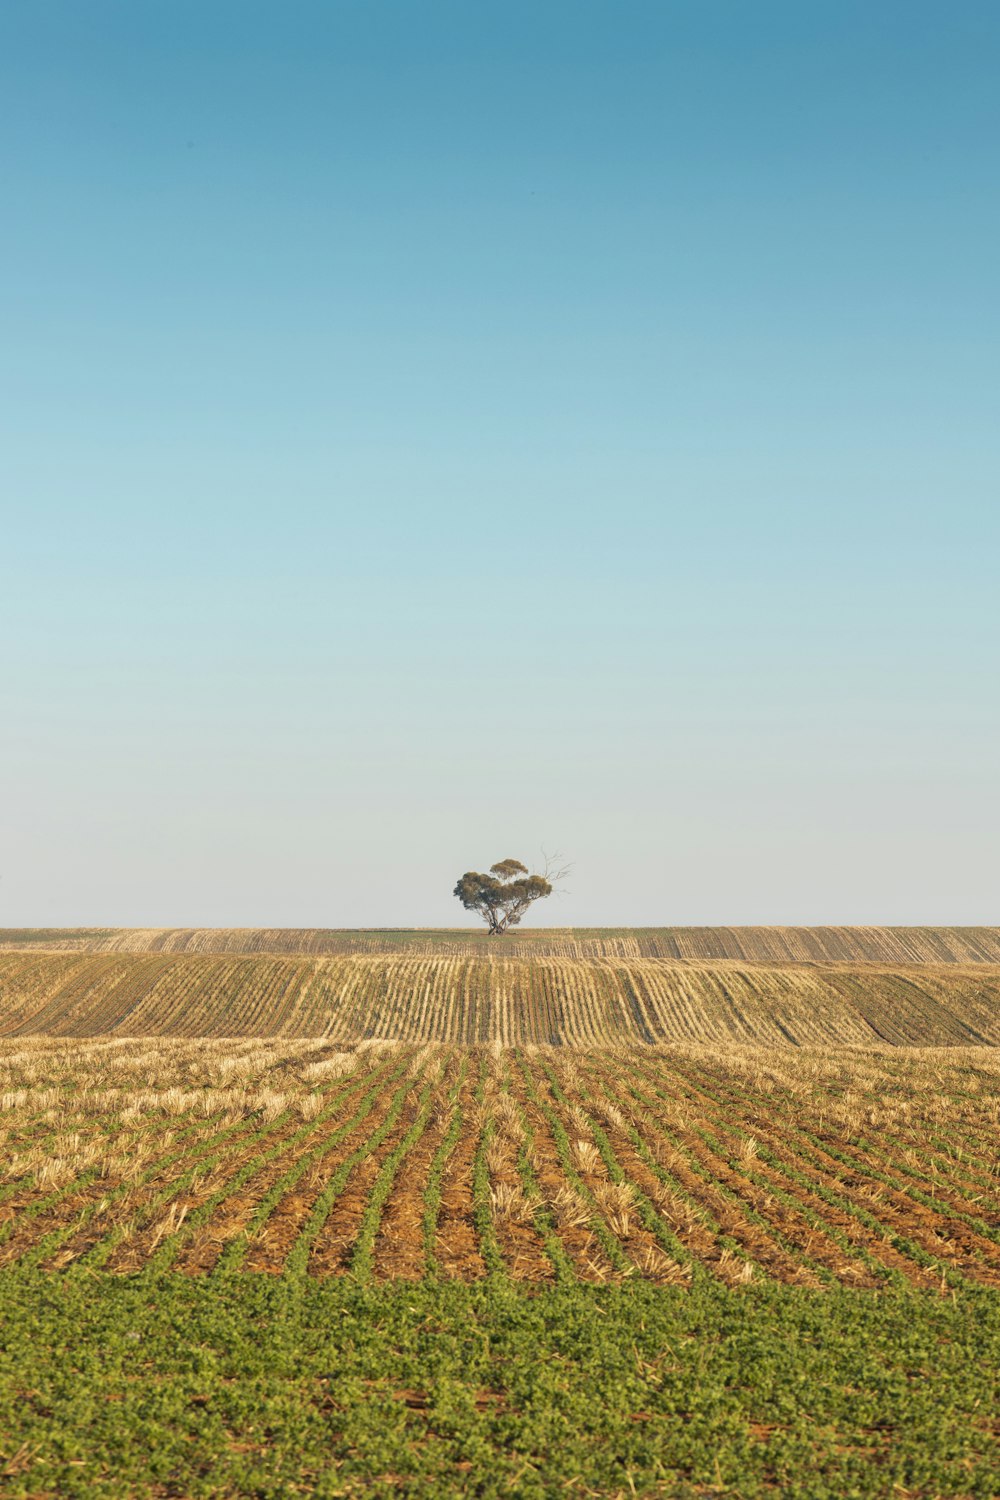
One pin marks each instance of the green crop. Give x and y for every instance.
(159, 1384)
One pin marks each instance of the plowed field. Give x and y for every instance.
(767, 945)
(539, 1165)
(544, 1000)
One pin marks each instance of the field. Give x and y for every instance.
(767, 945)
(277, 1223)
(583, 1002)
(270, 1387)
(394, 1161)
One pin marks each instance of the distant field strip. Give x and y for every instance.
(554, 1001)
(390, 1160)
(766, 945)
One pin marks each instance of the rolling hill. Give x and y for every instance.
(766, 945)
(762, 986)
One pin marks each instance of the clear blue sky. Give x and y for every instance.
(433, 432)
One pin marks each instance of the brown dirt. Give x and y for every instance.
(812, 1242)
(331, 1250)
(751, 1237)
(133, 1253)
(456, 1243)
(876, 1244)
(953, 1182)
(727, 1194)
(274, 1239)
(66, 1210)
(201, 1252)
(639, 1243)
(940, 1235)
(584, 1249)
(520, 1244)
(399, 1245)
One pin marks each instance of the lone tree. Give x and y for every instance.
(503, 896)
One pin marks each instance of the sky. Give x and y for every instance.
(437, 433)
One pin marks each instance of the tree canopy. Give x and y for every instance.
(503, 896)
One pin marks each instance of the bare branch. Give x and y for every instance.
(555, 871)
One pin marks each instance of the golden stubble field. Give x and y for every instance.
(546, 1000)
(582, 1107)
(757, 945)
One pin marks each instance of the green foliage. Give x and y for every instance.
(503, 896)
(275, 1386)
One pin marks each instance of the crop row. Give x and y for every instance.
(547, 1001)
(768, 945)
(537, 1164)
